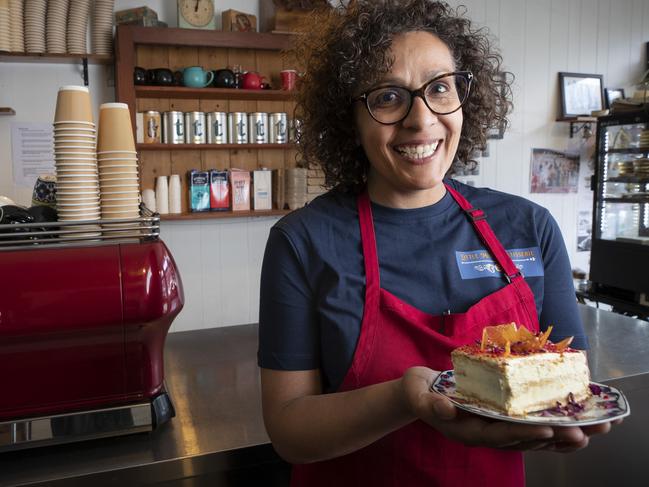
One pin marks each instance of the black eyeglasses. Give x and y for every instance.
(442, 95)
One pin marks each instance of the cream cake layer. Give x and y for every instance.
(518, 384)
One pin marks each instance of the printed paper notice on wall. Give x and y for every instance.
(32, 151)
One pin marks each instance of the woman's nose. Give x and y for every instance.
(419, 115)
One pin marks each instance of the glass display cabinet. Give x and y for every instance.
(619, 265)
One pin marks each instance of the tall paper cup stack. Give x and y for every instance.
(162, 195)
(75, 157)
(174, 194)
(117, 159)
(296, 187)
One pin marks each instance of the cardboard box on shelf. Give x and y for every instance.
(233, 20)
(240, 182)
(262, 190)
(135, 14)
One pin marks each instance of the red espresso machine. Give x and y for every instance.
(84, 313)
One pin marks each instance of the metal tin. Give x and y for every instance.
(152, 122)
(277, 128)
(238, 128)
(195, 132)
(294, 130)
(258, 124)
(173, 128)
(216, 125)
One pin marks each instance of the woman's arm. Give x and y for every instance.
(307, 426)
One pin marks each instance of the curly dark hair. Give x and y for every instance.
(343, 49)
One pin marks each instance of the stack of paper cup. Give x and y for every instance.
(57, 21)
(162, 195)
(34, 17)
(102, 27)
(77, 187)
(16, 25)
(296, 187)
(5, 27)
(174, 194)
(78, 26)
(117, 158)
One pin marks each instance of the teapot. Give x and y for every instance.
(195, 77)
(252, 80)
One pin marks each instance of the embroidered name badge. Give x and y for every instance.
(475, 264)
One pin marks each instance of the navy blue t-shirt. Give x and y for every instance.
(313, 277)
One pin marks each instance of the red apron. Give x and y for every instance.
(395, 336)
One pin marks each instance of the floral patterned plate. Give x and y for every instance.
(606, 404)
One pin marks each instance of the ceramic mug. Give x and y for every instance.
(195, 77)
(44, 193)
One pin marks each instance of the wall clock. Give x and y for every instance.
(196, 14)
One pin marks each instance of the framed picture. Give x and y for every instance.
(611, 94)
(580, 94)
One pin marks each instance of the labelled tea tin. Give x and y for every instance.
(173, 128)
(152, 122)
(258, 128)
(238, 128)
(195, 128)
(277, 128)
(216, 125)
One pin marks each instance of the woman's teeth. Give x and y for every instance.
(417, 151)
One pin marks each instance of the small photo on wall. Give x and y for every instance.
(553, 171)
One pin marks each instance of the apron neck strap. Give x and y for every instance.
(368, 240)
(478, 219)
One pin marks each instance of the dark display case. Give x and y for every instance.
(619, 265)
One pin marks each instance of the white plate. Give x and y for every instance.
(606, 404)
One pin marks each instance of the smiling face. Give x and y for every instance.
(409, 159)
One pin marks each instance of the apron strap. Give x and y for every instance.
(370, 255)
(478, 219)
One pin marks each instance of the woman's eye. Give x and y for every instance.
(386, 98)
(438, 88)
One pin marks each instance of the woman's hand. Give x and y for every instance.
(470, 429)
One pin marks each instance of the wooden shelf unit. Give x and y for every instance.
(175, 49)
(210, 215)
(173, 147)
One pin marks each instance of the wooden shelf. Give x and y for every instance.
(211, 93)
(630, 150)
(214, 146)
(208, 215)
(7, 111)
(25, 57)
(582, 118)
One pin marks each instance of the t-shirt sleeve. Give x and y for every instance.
(288, 331)
(559, 302)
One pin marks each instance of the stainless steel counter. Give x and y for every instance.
(218, 437)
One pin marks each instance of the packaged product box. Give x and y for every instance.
(135, 14)
(279, 195)
(233, 20)
(219, 191)
(240, 184)
(262, 190)
(199, 190)
(139, 127)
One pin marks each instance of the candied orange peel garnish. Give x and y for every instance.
(510, 338)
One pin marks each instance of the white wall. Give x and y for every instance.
(220, 260)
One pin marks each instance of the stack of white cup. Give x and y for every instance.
(118, 168)
(75, 157)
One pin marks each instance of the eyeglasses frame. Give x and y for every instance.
(420, 92)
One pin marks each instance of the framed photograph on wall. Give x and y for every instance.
(611, 94)
(580, 94)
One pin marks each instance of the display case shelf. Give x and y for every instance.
(181, 92)
(628, 179)
(616, 199)
(207, 215)
(166, 147)
(629, 150)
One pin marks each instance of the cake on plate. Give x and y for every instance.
(515, 371)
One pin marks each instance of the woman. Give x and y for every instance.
(366, 290)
